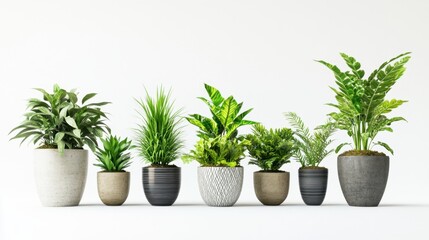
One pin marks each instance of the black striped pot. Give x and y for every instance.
(313, 184)
(161, 185)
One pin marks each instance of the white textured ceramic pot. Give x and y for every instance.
(60, 177)
(220, 186)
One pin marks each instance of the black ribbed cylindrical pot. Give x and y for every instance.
(312, 184)
(363, 179)
(161, 185)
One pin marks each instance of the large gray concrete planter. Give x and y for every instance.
(220, 186)
(312, 185)
(271, 188)
(60, 177)
(113, 187)
(161, 185)
(363, 179)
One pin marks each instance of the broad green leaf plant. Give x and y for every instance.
(114, 156)
(159, 135)
(219, 143)
(361, 102)
(270, 149)
(60, 121)
(311, 148)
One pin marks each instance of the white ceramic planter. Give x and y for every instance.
(60, 178)
(220, 186)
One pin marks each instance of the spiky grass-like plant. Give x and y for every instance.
(159, 135)
(114, 156)
(311, 148)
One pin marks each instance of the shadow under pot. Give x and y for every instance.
(271, 188)
(60, 177)
(312, 185)
(161, 185)
(220, 186)
(113, 187)
(363, 179)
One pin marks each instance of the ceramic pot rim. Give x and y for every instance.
(372, 158)
(221, 167)
(271, 173)
(113, 173)
(56, 150)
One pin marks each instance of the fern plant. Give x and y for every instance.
(361, 103)
(113, 157)
(311, 148)
(59, 121)
(270, 149)
(159, 136)
(219, 143)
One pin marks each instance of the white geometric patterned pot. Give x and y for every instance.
(220, 186)
(60, 177)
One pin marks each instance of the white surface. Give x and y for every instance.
(261, 52)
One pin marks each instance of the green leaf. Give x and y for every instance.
(88, 96)
(59, 137)
(70, 121)
(338, 148)
(386, 146)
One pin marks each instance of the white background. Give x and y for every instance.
(261, 52)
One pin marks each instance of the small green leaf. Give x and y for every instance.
(88, 96)
(70, 121)
(59, 137)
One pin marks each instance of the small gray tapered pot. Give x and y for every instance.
(363, 179)
(220, 186)
(161, 184)
(113, 187)
(312, 185)
(60, 177)
(271, 188)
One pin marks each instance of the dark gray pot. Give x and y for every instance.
(313, 184)
(363, 179)
(161, 185)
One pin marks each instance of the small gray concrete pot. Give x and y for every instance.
(220, 186)
(312, 185)
(60, 177)
(161, 185)
(271, 188)
(363, 179)
(113, 187)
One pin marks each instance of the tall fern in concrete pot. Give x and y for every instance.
(61, 125)
(362, 112)
(159, 142)
(219, 149)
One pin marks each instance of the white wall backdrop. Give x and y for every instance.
(261, 52)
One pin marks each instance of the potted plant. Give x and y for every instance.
(270, 150)
(61, 127)
(311, 150)
(113, 182)
(219, 149)
(362, 110)
(159, 138)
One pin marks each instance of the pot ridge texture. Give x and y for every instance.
(161, 185)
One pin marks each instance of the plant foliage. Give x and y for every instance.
(270, 149)
(219, 143)
(59, 121)
(159, 134)
(311, 148)
(226, 116)
(218, 152)
(361, 103)
(114, 156)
